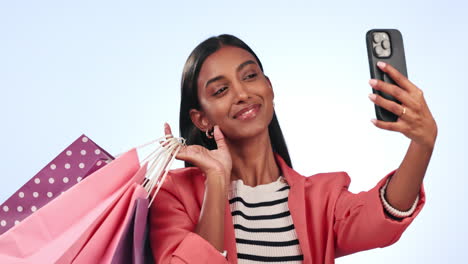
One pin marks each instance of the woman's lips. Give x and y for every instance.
(248, 113)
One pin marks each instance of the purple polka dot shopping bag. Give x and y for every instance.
(76, 162)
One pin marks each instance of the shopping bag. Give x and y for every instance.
(57, 231)
(134, 245)
(120, 246)
(74, 163)
(99, 238)
(104, 240)
(67, 229)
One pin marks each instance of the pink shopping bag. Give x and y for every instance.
(60, 229)
(108, 242)
(103, 243)
(74, 163)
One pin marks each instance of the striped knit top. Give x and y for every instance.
(262, 222)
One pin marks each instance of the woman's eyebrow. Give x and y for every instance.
(239, 68)
(217, 78)
(242, 65)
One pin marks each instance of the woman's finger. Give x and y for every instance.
(196, 155)
(392, 126)
(219, 137)
(167, 129)
(401, 95)
(399, 78)
(167, 133)
(186, 153)
(389, 105)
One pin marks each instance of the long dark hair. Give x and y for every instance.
(189, 97)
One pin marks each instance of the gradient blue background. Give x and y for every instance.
(111, 70)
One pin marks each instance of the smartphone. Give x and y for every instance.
(385, 45)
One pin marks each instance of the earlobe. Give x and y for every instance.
(199, 119)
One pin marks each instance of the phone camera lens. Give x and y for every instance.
(377, 37)
(386, 44)
(379, 51)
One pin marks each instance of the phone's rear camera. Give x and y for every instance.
(382, 46)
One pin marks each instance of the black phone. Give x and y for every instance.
(385, 45)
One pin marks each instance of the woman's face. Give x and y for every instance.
(233, 93)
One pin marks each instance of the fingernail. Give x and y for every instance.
(374, 121)
(373, 82)
(372, 97)
(381, 64)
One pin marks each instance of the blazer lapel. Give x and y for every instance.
(296, 205)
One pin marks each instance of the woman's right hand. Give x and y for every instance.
(212, 162)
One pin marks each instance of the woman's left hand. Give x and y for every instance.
(415, 120)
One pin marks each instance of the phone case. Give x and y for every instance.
(396, 58)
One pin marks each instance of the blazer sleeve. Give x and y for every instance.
(361, 223)
(171, 231)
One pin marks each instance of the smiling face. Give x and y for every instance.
(233, 93)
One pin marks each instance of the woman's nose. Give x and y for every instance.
(242, 93)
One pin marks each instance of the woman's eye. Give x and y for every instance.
(220, 90)
(250, 76)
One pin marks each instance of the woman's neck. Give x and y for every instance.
(253, 160)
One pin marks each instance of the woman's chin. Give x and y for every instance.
(249, 132)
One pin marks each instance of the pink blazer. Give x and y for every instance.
(330, 221)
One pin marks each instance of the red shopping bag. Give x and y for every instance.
(74, 163)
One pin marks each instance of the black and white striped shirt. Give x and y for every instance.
(262, 222)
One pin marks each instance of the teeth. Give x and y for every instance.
(248, 112)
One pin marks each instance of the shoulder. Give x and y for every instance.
(340, 179)
(325, 180)
(326, 185)
(183, 178)
(185, 175)
(184, 183)
(182, 189)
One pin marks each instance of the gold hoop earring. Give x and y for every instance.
(209, 134)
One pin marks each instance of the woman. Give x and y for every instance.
(239, 201)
